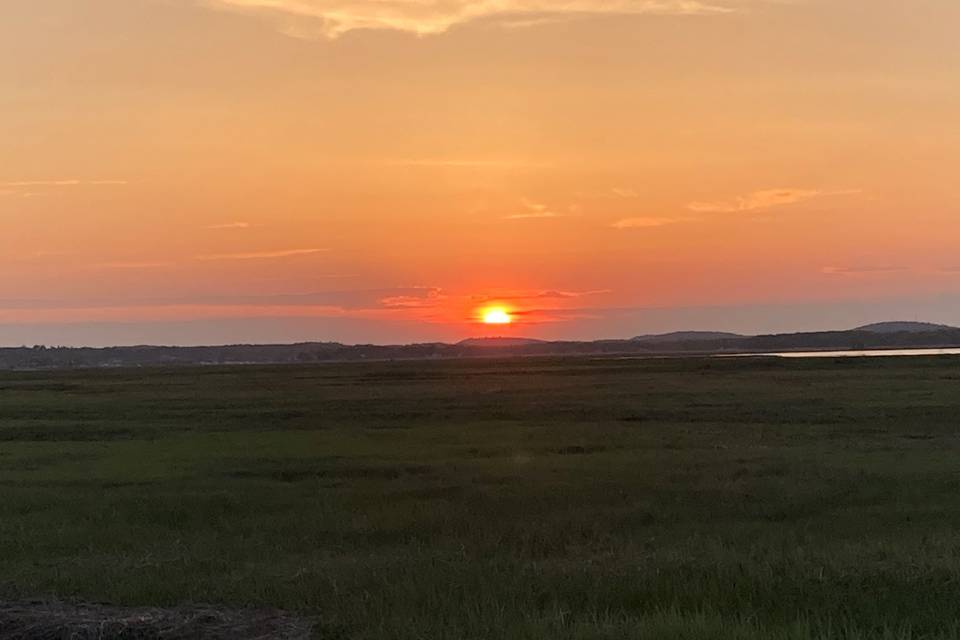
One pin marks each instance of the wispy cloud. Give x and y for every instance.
(649, 222)
(625, 192)
(30, 188)
(416, 298)
(345, 300)
(545, 294)
(570, 295)
(229, 225)
(425, 304)
(61, 183)
(467, 163)
(765, 199)
(534, 215)
(333, 18)
(261, 255)
(860, 271)
(535, 210)
(535, 21)
(133, 265)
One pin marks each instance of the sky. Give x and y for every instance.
(381, 171)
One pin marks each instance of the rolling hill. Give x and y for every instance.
(687, 336)
(904, 327)
(499, 342)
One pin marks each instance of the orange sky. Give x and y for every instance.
(187, 171)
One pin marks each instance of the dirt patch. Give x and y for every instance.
(62, 621)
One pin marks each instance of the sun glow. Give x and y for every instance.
(496, 315)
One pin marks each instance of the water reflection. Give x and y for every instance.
(865, 353)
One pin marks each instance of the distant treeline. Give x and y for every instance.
(58, 357)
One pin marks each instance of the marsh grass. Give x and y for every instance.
(529, 499)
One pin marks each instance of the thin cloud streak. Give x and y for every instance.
(229, 225)
(766, 199)
(466, 163)
(649, 222)
(333, 18)
(260, 255)
(534, 215)
(535, 210)
(346, 300)
(62, 183)
(547, 294)
(31, 188)
(860, 271)
(133, 265)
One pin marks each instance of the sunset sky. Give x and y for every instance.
(219, 171)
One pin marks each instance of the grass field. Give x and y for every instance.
(529, 499)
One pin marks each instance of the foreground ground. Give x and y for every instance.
(580, 499)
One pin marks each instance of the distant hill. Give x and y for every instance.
(499, 342)
(904, 327)
(687, 336)
(884, 335)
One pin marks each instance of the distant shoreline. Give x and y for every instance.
(876, 338)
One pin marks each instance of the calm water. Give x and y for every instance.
(863, 353)
(867, 353)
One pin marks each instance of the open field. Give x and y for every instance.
(531, 499)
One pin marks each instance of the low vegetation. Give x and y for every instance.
(533, 499)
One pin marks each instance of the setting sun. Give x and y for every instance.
(496, 315)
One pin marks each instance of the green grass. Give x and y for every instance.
(532, 499)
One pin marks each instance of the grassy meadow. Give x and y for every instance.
(533, 499)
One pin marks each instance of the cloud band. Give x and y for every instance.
(333, 18)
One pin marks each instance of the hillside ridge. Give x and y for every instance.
(884, 335)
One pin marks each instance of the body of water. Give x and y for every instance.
(865, 353)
